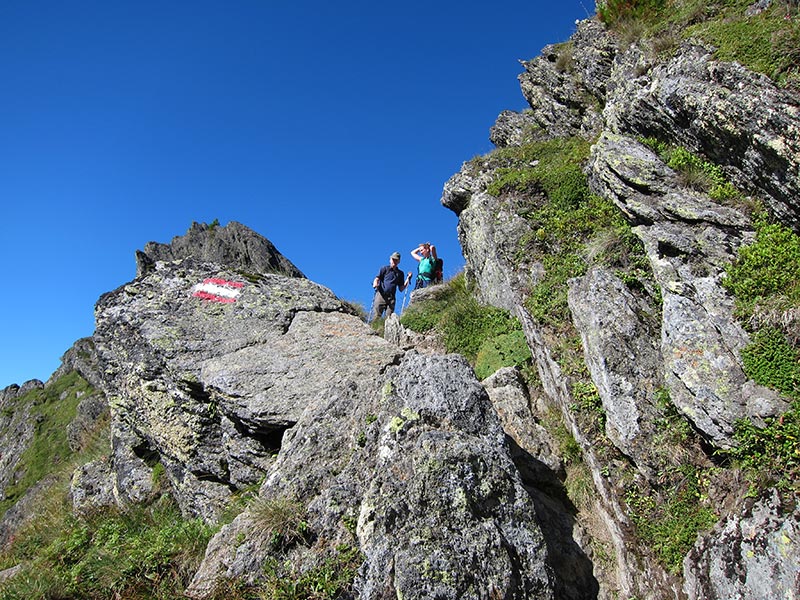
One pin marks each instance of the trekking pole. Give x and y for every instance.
(405, 294)
(371, 308)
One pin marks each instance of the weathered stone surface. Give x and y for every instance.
(233, 245)
(513, 129)
(89, 412)
(621, 350)
(207, 388)
(509, 396)
(426, 475)
(16, 433)
(92, 487)
(444, 451)
(689, 240)
(751, 554)
(738, 119)
(489, 230)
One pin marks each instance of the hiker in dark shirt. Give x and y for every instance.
(388, 280)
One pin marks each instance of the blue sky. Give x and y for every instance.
(327, 127)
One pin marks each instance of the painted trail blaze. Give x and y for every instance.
(217, 290)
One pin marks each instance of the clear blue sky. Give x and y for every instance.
(327, 127)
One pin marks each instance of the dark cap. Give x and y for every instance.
(395, 255)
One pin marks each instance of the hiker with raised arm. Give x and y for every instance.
(386, 283)
(428, 266)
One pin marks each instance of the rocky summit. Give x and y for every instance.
(317, 457)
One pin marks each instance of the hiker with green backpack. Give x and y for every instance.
(429, 270)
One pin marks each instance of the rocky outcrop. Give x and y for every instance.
(738, 119)
(16, 429)
(226, 381)
(737, 559)
(206, 386)
(236, 246)
(676, 345)
(689, 240)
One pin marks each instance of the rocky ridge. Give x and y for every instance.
(636, 346)
(446, 486)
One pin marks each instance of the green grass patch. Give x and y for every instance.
(145, 552)
(466, 325)
(770, 455)
(568, 241)
(330, 580)
(505, 350)
(668, 521)
(766, 278)
(554, 166)
(52, 409)
(766, 272)
(696, 172)
(765, 43)
(616, 12)
(284, 519)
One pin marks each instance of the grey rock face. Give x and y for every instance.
(16, 433)
(736, 118)
(489, 230)
(689, 240)
(623, 356)
(444, 511)
(207, 387)
(233, 245)
(689, 346)
(92, 487)
(752, 554)
(424, 473)
(511, 400)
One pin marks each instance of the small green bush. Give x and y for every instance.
(505, 350)
(696, 172)
(770, 455)
(772, 361)
(766, 271)
(463, 322)
(554, 166)
(766, 43)
(588, 400)
(283, 519)
(331, 580)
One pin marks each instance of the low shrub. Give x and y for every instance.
(614, 12)
(283, 519)
(696, 172)
(505, 350)
(766, 271)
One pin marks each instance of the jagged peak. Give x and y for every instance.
(233, 245)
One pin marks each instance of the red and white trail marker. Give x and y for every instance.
(217, 290)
